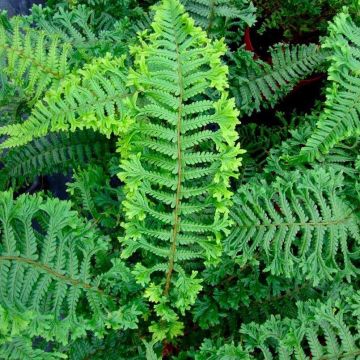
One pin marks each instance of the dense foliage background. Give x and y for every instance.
(133, 225)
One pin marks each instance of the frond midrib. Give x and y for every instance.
(176, 212)
(301, 224)
(48, 270)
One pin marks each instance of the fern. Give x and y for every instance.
(90, 35)
(97, 199)
(221, 17)
(174, 167)
(33, 60)
(21, 348)
(93, 98)
(55, 153)
(340, 119)
(321, 331)
(301, 223)
(257, 84)
(341, 158)
(46, 252)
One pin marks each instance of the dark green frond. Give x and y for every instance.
(34, 61)
(340, 118)
(219, 18)
(46, 255)
(301, 222)
(256, 84)
(54, 153)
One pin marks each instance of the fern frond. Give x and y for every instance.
(340, 119)
(90, 35)
(21, 348)
(33, 60)
(92, 98)
(341, 157)
(175, 169)
(320, 331)
(256, 84)
(220, 17)
(54, 153)
(46, 254)
(90, 188)
(300, 222)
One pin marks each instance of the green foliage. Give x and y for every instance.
(90, 35)
(297, 18)
(220, 17)
(33, 60)
(55, 153)
(257, 84)
(91, 99)
(174, 166)
(340, 118)
(45, 268)
(97, 199)
(300, 222)
(321, 330)
(174, 243)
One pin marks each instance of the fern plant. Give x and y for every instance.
(221, 17)
(300, 224)
(257, 84)
(53, 154)
(45, 267)
(340, 119)
(168, 246)
(40, 58)
(174, 165)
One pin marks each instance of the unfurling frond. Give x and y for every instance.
(178, 154)
(340, 118)
(92, 98)
(300, 222)
(257, 84)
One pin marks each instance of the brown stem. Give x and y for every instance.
(177, 209)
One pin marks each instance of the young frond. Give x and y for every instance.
(33, 60)
(54, 153)
(92, 98)
(340, 118)
(257, 84)
(46, 257)
(300, 222)
(178, 154)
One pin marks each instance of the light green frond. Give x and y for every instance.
(92, 98)
(177, 155)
